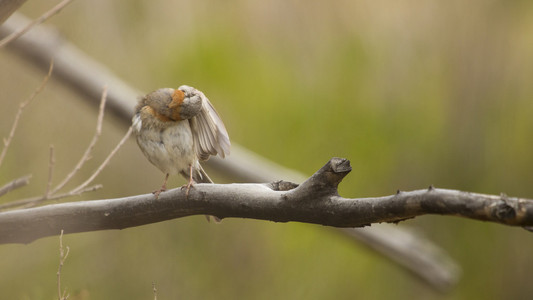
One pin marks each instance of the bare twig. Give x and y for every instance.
(154, 290)
(52, 194)
(51, 164)
(23, 105)
(14, 184)
(104, 163)
(56, 9)
(86, 156)
(34, 201)
(82, 188)
(61, 295)
(81, 72)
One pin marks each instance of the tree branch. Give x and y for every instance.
(61, 295)
(315, 201)
(14, 184)
(52, 194)
(22, 106)
(73, 67)
(87, 154)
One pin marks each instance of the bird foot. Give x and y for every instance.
(162, 189)
(159, 191)
(188, 186)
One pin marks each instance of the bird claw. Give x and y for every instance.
(162, 189)
(159, 191)
(188, 186)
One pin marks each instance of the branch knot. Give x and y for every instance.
(324, 182)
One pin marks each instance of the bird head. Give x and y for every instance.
(169, 104)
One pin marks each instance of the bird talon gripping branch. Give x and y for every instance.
(188, 187)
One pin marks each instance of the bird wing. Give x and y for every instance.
(209, 133)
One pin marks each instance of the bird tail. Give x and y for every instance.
(200, 176)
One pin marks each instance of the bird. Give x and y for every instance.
(176, 129)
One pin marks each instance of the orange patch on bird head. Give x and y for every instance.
(150, 111)
(175, 105)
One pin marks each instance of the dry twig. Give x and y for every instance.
(56, 9)
(104, 163)
(14, 184)
(87, 155)
(51, 164)
(61, 295)
(52, 194)
(33, 201)
(23, 105)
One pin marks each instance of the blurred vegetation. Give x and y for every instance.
(412, 93)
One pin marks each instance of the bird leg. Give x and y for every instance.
(163, 187)
(189, 185)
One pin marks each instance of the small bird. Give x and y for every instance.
(175, 128)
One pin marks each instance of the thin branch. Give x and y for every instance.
(154, 290)
(34, 201)
(15, 184)
(52, 194)
(23, 105)
(51, 164)
(61, 295)
(315, 201)
(56, 9)
(74, 67)
(80, 189)
(86, 156)
(104, 163)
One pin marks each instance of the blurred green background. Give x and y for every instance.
(413, 93)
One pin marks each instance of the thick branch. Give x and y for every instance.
(315, 201)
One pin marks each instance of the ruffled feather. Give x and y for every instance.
(208, 130)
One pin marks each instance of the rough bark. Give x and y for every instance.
(314, 201)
